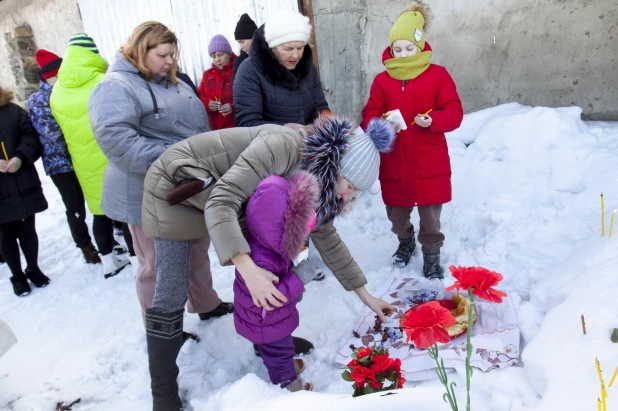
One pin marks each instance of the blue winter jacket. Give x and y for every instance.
(56, 157)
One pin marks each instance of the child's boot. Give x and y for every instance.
(112, 265)
(401, 258)
(21, 288)
(431, 264)
(91, 255)
(299, 366)
(37, 277)
(298, 385)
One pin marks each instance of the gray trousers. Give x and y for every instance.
(173, 270)
(429, 234)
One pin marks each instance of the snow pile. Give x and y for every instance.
(525, 203)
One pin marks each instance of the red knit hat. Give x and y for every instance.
(48, 62)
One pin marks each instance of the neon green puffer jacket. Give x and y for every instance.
(80, 71)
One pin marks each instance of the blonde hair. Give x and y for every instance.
(6, 96)
(145, 37)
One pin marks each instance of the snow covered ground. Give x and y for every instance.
(526, 203)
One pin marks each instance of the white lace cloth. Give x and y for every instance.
(495, 337)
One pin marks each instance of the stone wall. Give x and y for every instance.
(52, 23)
(21, 49)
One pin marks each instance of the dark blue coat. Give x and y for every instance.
(21, 194)
(265, 92)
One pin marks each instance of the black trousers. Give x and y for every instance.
(103, 231)
(128, 238)
(73, 199)
(25, 232)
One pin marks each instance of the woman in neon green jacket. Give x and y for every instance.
(82, 69)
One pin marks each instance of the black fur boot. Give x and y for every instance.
(37, 277)
(21, 288)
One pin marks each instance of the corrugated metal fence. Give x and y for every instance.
(110, 22)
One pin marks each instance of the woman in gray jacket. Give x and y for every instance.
(136, 112)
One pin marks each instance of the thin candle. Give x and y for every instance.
(603, 392)
(430, 110)
(611, 223)
(602, 216)
(4, 151)
(613, 378)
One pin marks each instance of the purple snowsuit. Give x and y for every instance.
(277, 217)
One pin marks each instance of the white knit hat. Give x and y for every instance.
(286, 26)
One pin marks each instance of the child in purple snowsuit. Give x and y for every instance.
(279, 216)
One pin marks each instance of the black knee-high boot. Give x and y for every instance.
(164, 338)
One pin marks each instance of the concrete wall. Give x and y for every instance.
(53, 22)
(536, 52)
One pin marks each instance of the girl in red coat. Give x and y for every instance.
(417, 173)
(215, 89)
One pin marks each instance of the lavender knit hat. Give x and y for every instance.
(219, 43)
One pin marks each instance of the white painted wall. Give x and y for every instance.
(195, 22)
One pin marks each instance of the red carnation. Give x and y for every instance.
(480, 279)
(395, 365)
(376, 384)
(360, 374)
(426, 324)
(363, 352)
(353, 363)
(381, 363)
(401, 381)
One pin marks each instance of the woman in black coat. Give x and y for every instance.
(21, 195)
(278, 83)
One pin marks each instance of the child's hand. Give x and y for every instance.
(225, 109)
(13, 165)
(423, 120)
(214, 105)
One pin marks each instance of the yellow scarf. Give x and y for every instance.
(408, 68)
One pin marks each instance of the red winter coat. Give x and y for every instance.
(418, 170)
(217, 84)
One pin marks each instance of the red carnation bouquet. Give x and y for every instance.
(373, 370)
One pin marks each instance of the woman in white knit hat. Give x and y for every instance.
(278, 83)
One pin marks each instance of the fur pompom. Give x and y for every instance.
(382, 132)
(421, 7)
(323, 148)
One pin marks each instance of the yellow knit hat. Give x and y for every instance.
(412, 24)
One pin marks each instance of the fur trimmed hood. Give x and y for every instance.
(280, 211)
(267, 64)
(303, 196)
(5, 96)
